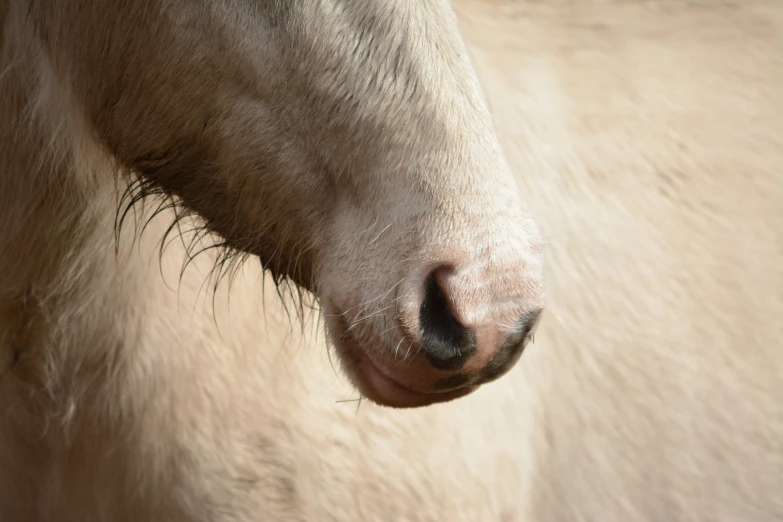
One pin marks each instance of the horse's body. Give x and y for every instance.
(654, 391)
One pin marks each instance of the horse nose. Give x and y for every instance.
(446, 343)
(450, 339)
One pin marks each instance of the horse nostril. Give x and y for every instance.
(512, 348)
(445, 342)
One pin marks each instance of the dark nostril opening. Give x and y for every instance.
(445, 342)
(512, 348)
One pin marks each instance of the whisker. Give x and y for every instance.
(381, 233)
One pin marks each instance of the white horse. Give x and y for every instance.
(349, 147)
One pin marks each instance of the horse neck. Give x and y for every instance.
(73, 294)
(55, 199)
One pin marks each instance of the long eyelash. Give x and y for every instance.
(154, 202)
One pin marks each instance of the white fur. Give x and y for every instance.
(649, 141)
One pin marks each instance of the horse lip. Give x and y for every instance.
(374, 384)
